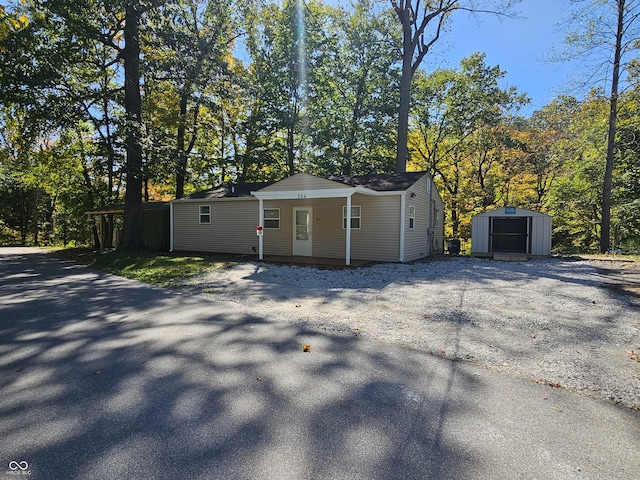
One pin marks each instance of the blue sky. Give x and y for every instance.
(518, 45)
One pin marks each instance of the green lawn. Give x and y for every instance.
(156, 268)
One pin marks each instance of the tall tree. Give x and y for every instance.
(132, 237)
(606, 33)
(422, 23)
(352, 93)
(189, 41)
(460, 118)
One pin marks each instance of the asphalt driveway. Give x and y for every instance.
(102, 377)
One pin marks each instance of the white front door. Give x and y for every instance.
(302, 234)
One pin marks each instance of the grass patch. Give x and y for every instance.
(161, 269)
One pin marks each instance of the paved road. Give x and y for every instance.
(105, 378)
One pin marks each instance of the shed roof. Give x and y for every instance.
(512, 212)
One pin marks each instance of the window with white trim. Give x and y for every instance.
(412, 217)
(205, 214)
(355, 217)
(272, 218)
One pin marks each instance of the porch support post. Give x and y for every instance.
(403, 207)
(348, 229)
(101, 227)
(261, 223)
(171, 227)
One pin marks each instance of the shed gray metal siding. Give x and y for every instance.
(539, 234)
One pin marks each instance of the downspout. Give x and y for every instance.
(171, 227)
(403, 206)
(348, 219)
(261, 223)
(432, 216)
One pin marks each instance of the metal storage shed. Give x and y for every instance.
(511, 230)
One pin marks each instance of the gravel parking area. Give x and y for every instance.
(561, 322)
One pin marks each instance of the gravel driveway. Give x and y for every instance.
(553, 321)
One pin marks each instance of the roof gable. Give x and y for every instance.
(302, 182)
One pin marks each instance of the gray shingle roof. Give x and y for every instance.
(229, 191)
(381, 182)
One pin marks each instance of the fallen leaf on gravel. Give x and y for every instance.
(633, 355)
(306, 348)
(548, 383)
(297, 305)
(97, 372)
(258, 379)
(633, 407)
(425, 316)
(557, 409)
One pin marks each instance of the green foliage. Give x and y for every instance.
(461, 134)
(253, 91)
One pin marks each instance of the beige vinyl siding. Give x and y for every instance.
(279, 242)
(418, 242)
(379, 235)
(377, 239)
(232, 228)
(328, 236)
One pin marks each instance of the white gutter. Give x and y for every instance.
(403, 206)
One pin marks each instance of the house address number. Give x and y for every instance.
(302, 195)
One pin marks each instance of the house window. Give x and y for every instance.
(412, 217)
(271, 218)
(205, 214)
(355, 216)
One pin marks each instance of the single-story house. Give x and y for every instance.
(381, 217)
(511, 230)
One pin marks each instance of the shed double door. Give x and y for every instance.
(510, 235)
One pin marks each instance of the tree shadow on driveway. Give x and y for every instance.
(101, 377)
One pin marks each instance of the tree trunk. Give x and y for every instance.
(132, 230)
(605, 229)
(402, 153)
(291, 153)
(181, 167)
